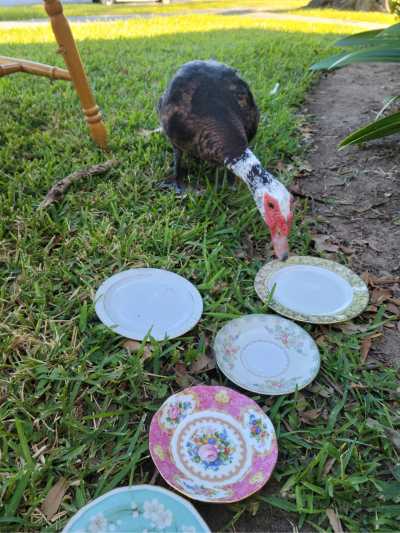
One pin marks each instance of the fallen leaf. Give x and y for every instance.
(334, 521)
(393, 309)
(350, 327)
(204, 363)
(309, 416)
(135, 346)
(380, 295)
(321, 244)
(320, 340)
(54, 498)
(182, 376)
(394, 437)
(328, 467)
(365, 348)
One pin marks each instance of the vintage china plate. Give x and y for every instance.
(136, 509)
(148, 302)
(213, 444)
(266, 354)
(311, 289)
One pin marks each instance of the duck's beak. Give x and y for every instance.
(281, 247)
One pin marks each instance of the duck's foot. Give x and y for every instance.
(171, 183)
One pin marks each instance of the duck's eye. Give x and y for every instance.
(271, 205)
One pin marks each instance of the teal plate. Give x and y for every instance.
(141, 508)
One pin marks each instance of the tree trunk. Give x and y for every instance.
(357, 5)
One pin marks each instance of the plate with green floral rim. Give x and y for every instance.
(311, 289)
(137, 508)
(267, 354)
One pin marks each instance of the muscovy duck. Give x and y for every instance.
(209, 112)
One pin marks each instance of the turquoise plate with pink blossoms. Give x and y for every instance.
(139, 508)
(213, 444)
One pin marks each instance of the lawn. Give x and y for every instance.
(290, 7)
(74, 402)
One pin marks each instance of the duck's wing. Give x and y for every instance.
(247, 108)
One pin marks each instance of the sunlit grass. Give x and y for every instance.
(294, 7)
(167, 26)
(71, 396)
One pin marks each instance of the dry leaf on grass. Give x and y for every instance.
(308, 417)
(365, 348)
(322, 244)
(380, 295)
(351, 328)
(394, 437)
(328, 467)
(54, 498)
(134, 346)
(182, 376)
(393, 309)
(334, 521)
(204, 363)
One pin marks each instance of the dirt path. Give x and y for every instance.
(363, 222)
(254, 13)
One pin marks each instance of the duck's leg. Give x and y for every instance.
(175, 182)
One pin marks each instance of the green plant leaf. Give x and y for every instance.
(374, 130)
(364, 37)
(372, 55)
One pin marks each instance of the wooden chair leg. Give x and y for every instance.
(68, 49)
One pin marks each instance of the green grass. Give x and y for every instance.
(290, 7)
(72, 398)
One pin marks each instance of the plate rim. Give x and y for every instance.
(256, 391)
(131, 272)
(355, 308)
(135, 488)
(205, 499)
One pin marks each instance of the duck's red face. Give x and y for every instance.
(278, 215)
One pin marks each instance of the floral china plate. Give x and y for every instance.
(213, 444)
(148, 302)
(310, 289)
(266, 354)
(139, 508)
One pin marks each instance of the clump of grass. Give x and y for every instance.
(74, 402)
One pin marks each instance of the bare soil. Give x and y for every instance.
(360, 185)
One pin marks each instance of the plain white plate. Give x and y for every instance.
(148, 302)
(267, 354)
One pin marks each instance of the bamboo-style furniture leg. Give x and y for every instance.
(10, 65)
(68, 49)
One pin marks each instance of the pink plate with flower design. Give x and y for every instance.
(213, 444)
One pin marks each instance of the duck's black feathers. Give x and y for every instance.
(209, 111)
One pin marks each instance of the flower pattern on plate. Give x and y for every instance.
(211, 448)
(142, 508)
(204, 462)
(199, 490)
(176, 409)
(290, 338)
(259, 429)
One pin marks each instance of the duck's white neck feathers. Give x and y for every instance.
(260, 181)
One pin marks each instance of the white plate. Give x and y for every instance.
(267, 354)
(312, 290)
(148, 302)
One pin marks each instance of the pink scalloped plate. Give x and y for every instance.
(213, 444)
